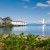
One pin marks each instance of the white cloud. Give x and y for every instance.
(25, 6)
(33, 7)
(26, 0)
(42, 5)
(49, 13)
(48, 2)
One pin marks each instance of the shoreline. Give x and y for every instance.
(39, 37)
(43, 37)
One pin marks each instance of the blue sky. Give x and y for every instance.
(31, 11)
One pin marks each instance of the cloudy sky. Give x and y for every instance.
(27, 10)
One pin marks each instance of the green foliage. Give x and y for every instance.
(22, 42)
(1, 37)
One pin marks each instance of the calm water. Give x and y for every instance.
(36, 30)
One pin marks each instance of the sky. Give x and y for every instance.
(32, 11)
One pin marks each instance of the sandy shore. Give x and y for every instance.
(39, 37)
(43, 37)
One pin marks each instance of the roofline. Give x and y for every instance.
(18, 21)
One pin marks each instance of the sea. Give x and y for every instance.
(36, 29)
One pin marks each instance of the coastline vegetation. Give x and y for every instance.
(22, 42)
(6, 22)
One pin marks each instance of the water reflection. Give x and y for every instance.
(5, 30)
(26, 29)
(21, 28)
(36, 30)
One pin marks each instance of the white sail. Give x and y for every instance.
(43, 21)
(43, 27)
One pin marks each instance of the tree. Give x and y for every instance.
(7, 20)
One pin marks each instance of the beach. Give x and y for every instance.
(43, 37)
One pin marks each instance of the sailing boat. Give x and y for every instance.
(43, 27)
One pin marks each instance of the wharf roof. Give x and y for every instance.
(18, 21)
